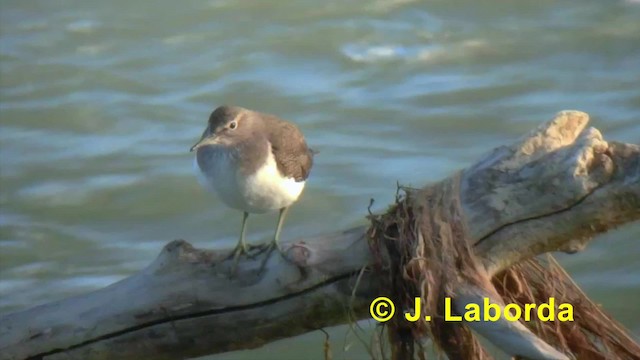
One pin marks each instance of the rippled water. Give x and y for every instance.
(100, 102)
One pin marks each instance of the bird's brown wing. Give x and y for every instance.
(293, 157)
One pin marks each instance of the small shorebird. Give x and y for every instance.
(254, 162)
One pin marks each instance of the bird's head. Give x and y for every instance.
(227, 125)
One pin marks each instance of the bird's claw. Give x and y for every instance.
(238, 251)
(268, 248)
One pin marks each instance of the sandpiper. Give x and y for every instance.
(254, 162)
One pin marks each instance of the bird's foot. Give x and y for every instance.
(236, 259)
(269, 250)
(240, 249)
(251, 251)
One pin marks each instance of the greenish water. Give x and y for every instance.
(100, 102)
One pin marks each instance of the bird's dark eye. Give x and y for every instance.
(233, 125)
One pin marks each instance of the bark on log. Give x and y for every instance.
(552, 190)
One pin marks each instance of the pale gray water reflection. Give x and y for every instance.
(100, 102)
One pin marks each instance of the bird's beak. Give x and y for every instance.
(204, 139)
(197, 144)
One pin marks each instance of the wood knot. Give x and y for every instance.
(299, 253)
(178, 244)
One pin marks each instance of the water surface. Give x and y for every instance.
(100, 102)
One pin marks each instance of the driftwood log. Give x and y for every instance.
(552, 190)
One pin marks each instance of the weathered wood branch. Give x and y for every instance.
(553, 190)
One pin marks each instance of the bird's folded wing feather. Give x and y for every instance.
(293, 157)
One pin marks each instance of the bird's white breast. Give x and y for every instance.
(262, 191)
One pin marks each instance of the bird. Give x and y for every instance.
(255, 163)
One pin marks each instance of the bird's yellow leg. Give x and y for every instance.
(276, 238)
(241, 248)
